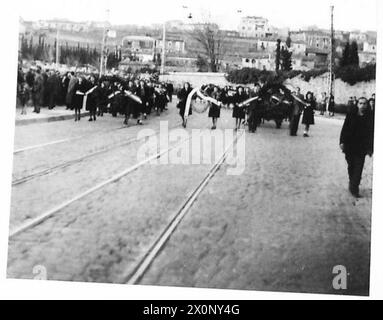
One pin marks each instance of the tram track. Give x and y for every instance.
(134, 275)
(65, 164)
(57, 219)
(54, 211)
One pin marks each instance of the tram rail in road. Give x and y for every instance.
(135, 275)
(77, 160)
(50, 213)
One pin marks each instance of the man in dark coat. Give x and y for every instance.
(91, 98)
(38, 91)
(130, 104)
(254, 110)
(357, 141)
(142, 92)
(170, 90)
(151, 96)
(53, 88)
(296, 113)
(71, 90)
(64, 89)
(101, 98)
(80, 89)
(45, 75)
(182, 97)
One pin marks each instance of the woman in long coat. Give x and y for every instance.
(182, 97)
(331, 106)
(91, 105)
(71, 91)
(214, 109)
(130, 104)
(38, 91)
(238, 112)
(79, 92)
(308, 113)
(101, 98)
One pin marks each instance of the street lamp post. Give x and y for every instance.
(163, 48)
(104, 35)
(164, 43)
(331, 62)
(57, 48)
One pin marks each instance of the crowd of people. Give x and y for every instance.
(131, 95)
(135, 97)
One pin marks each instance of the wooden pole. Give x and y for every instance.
(57, 48)
(163, 49)
(331, 66)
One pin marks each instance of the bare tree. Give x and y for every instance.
(211, 40)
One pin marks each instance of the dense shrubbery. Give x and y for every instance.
(350, 74)
(147, 70)
(251, 75)
(353, 74)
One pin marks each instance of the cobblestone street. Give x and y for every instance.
(281, 225)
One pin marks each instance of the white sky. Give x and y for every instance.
(348, 14)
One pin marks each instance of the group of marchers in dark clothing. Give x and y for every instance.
(130, 95)
(137, 98)
(357, 134)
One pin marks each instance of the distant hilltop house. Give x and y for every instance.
(144, 48)
(254, 27)
(368, 54)
(261, 61)
(173, 44)
(69, 26)
(252, 45)
(138, 48)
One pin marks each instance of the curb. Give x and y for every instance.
(24, 122)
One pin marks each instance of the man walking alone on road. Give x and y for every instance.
(357, 141)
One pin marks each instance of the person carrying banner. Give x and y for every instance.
(101, 98)
(78, 98)
(91, 96)
(308, 112)
(356, 141)
(253, 110)
(182, 98)
(129, 104)
(296, 112)
(239, 111)
(38, 91)
(214, 108)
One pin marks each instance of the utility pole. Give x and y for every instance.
(104, 35)
(57, 48)
(163, 48)
(331, 63)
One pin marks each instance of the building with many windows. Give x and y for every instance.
(254, 27)
(312, 38)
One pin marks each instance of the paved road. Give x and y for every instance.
(282, 225)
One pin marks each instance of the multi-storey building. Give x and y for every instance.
(312, 38)
(62, 24)
(254, 27)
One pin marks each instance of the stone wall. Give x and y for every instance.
(317, 85)
(342, 89)
(195, 78)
